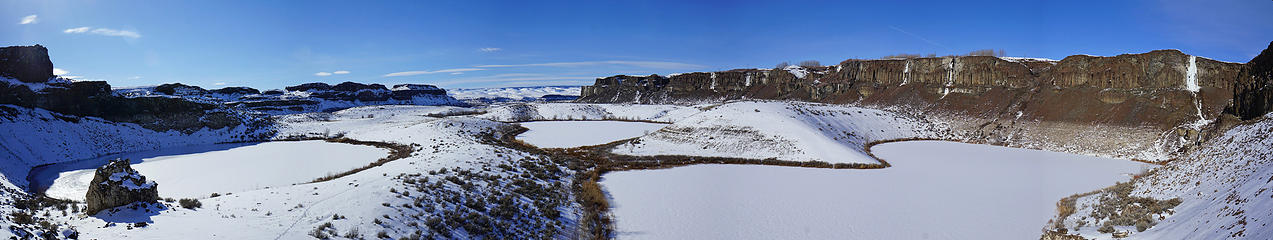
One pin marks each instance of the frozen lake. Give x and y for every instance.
(567, 134)
(199, 171)
(935, 190)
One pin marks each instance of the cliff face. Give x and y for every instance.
(26, 63)
(1253, 94)
(1153, 104)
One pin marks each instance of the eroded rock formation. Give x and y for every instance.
(26, 63)
(1148, 105)
(117, 184)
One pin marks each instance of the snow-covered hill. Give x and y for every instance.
(36, 136)
(513, 93)
(520, 112)
(457, 183)
(789, 131)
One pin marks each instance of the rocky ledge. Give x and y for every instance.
(117, 184)
(1150, 105)
(309, 97)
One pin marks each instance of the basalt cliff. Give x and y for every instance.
(1147, 106)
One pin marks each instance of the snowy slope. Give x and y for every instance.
(408, 197)
(36, 136)
(790, 131)
(515, 93)
(1223, 188)
(520, 112)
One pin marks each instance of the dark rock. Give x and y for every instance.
(310, 87)
(237, 90)
(408, 91)
(558, 97)
(179, 89)
(117, 184)
(354, 87)
(273, 92)
(26, 63)
(1253, 95)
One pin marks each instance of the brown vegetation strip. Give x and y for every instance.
(396, 151)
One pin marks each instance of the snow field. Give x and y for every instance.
(780, 130)
(520, 112)
(567, 134)
(242, 168)
(935, 190)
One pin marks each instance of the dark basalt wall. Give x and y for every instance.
(1144, 97)
(1253, 92)
(26, 63)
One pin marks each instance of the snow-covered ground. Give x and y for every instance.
(566, 134)
(781, 130)
(257, 166)
(34, 136)
(402, 198)
(515, 93)
(1225, 188)
(935, 190)
(521, 112)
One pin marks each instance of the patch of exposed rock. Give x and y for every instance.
(117, 184)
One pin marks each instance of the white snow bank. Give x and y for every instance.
(242, 168)
(790, 131)
(33, 137)
(520, 112)
(566, 134)
(935, 190)
(515, 93)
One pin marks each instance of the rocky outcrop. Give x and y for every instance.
(1155, 103)
(1253, 94)
(179, 89)
(117, 184)
(235, 91)
(95, 99)
(38, 89)
(26, 63)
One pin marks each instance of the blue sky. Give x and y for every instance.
(464, 44)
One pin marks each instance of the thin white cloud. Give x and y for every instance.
(219, 83)
(490, 49)
(104, 32)
(645, 64)
(29, 20)
(60, 72)
(412, 73)
(457, 73)
(341, 72)
(322, 74)
(77, 30)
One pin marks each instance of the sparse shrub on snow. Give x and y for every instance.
(190, 203)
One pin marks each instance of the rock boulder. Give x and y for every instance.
(117, 184)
